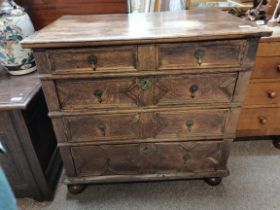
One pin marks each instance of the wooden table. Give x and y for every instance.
(30, 162)
(145, 96)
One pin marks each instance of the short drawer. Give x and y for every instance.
(267, 68)
(145, 91)
(154, 124)
(92, 60)
(259, 121)
(263, 93)
(149, 158)
(201, 54)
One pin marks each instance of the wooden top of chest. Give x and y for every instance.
(92, 30)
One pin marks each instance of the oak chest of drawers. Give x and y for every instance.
(261, 113)
(145, 96)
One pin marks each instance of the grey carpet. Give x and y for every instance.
(254, 184)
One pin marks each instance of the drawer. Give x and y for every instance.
(92, 60)
(267, 68)
(263, 93)
(154, 124)
(269, 49)
(149, 158)
(148, 91)
(259, 121)
(201, 54)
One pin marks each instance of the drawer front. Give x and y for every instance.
(160, 124)
(259, 121)
(264, 93)
(92, 60)
(201, 54)
(267, 68)
(269, 49)
(149, 158)
(188, 89)
(148, 91)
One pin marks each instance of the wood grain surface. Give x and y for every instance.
(17, 91)
(85, 30)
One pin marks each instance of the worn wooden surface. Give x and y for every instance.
(260, 114)
(148, 158)
(172, 125)
(17, 91)
(43, 12)
(128, 92)
(128, 114)
(88, 30)
(31, 162)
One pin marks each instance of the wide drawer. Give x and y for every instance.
(201, 54)
(149, 158)
(92, 60)
(263, 93)
(154, 124)
(269, 49)
(147, 91)
(267, 68)
(259, 121)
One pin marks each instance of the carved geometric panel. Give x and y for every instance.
(149, 158)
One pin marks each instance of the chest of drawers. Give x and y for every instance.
(261, 113)
(145, 96)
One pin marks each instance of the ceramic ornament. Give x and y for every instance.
(15, 24)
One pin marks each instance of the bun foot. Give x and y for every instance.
(76, 188)
(276, 143)
(213, 181)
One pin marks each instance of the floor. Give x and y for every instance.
(254, 184)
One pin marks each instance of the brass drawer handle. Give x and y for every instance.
(102, 128)
(199, 54)
(193, 89)
(144, 84)
(98, 94)
(262, 120)
(271, 94)
(189, 124)
(92, 60)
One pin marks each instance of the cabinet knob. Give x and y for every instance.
(193, 89)
(199, 54)
(262, 120)
(93, 61)
(189, 124)
(98, 94)
(102, 128)
(271, 94)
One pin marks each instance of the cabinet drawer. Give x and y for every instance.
(148, 91)
(149, 158)
(259, 121)
(263, 93)
(157, 124)
(267, 68)
(92, 60)
(269, 49)
(201, 54)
